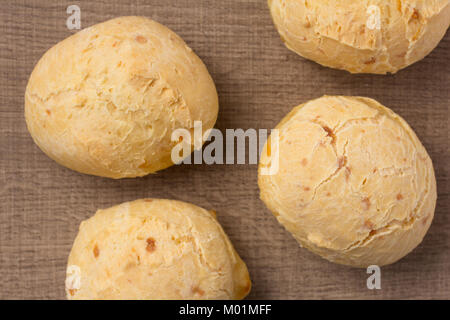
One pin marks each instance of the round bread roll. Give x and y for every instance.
(362, 36)
(354, 183)
(106, 100)
(154, 249)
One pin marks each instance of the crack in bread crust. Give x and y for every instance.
(374, 181)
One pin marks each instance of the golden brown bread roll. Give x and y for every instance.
(362, 36)
(155, 249)
(354, 184)
(106, 100)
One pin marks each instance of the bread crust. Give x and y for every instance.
(155, 249)
(106, 100)
(355, 185)
(363, 36)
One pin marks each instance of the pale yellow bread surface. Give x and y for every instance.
(106, 100)
(362, 36)
(355, 185)
(155, 249)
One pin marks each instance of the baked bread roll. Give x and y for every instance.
(106, 100)
(154, 249)
(362, 36)
(354, 183)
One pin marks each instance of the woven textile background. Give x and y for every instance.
(258, 81)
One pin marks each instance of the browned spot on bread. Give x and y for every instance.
(48, 112)
(375, 170)
(304, 162)
(366, 203)
(362, 29)
(328, 194)
(141, 39)
(372, 233)
(72, 292)
(306, 188)
(151, 245)
(370, 61)
(182, 239)
(148, 200)
(114, 44)
(197, 290)
(348, 172)
(269, 149)
(415, 14)
(369, 225)
(399, 5)
(247, 286)
(399, 196)
(330, 133)
(96, 251)
(143, 165)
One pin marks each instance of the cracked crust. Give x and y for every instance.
(354, 185)
(106, 100)
(155, 249)
(341, 34)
